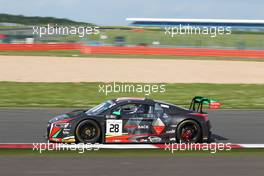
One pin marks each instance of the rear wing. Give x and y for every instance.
(198, 102)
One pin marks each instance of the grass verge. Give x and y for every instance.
(237, 96)
(133, 153)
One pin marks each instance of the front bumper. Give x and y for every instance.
(61, 135)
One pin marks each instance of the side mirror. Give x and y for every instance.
(111, 116)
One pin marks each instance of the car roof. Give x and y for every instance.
(162, 102)
(133, 100)
(172, 105)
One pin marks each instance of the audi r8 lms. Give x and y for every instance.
(134, 120)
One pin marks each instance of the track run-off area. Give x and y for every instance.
(74, 69)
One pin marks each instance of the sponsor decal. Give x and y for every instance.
(55, 132)
(56, 139)
(158, 126)
(69, 139)
(172, 139)
(171, 131)
(154, 139)
(66, 131)
(143, 126)
(143, 140)
(137, 126)
(110, 116)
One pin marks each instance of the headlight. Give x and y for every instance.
(62, 125)
(57, 118)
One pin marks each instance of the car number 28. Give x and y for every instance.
(113, 127)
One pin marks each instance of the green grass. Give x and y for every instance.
(8, 27)
(133, 153)
(61, 53)
(76, 53)
(13, 94)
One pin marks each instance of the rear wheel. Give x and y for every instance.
(88, 131)
(189, 131)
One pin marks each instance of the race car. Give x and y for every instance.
(134, 120)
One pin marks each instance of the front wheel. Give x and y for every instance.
(88, 131)
(189, 131)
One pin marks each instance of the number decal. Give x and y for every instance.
(113, 127)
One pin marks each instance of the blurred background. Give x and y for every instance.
(19, 29)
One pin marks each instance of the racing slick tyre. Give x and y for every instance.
(189, 131)
(88, 131)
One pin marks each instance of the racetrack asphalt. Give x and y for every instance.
(132, 166)
(234, 126)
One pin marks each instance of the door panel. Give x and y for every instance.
(136, 121)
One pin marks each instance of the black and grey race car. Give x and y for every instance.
(134, 120)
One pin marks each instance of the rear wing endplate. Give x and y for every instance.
(198, 102)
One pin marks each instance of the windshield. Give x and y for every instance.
(100, 108)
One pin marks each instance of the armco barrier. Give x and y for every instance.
(202, 52)
(38, 47)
